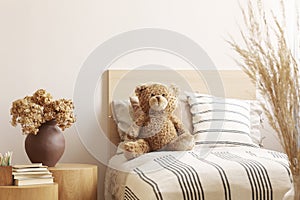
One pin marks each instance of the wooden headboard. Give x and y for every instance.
(120, 84)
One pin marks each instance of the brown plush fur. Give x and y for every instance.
(155, 127)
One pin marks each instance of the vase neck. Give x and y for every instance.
(51, 122)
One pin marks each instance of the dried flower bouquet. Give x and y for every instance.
(32, 111)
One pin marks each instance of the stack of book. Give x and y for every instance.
(31, 174)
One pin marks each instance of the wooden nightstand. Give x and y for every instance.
(30, 192)
(76, 181)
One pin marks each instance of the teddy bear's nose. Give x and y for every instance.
(158, 98)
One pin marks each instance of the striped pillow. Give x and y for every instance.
(219, 120)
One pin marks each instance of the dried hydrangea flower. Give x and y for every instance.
(28, 114)
(64, 113)
(32, 111)
(42, 97)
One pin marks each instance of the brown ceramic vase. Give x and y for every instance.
(47, 146)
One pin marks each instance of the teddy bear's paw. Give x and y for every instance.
(131, 150)
(130, 146)
(136, 148)
(130, 155)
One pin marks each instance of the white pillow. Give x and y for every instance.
(224, 121)
(121, 110)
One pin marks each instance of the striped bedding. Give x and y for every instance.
(220, 173)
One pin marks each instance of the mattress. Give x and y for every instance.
(205, 173)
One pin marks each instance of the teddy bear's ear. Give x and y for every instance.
(139, 89)
(174, 89)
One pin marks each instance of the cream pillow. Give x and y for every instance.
(217, 120)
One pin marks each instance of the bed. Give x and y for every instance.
(227, 161)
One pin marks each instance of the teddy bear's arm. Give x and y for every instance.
(178, 125)
(138, 116)
(138, 113)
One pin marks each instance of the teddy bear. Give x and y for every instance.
(155, 126)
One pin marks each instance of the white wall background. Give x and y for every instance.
(44, 43)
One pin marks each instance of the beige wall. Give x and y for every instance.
(43, 44)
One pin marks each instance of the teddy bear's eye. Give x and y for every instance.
(152, 95)
(163, 95)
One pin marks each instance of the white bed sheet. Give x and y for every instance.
(219, 173)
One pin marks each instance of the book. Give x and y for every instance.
(33, 181)
(31, 169)
(30, 172)
(28, 176)
(28, 165)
